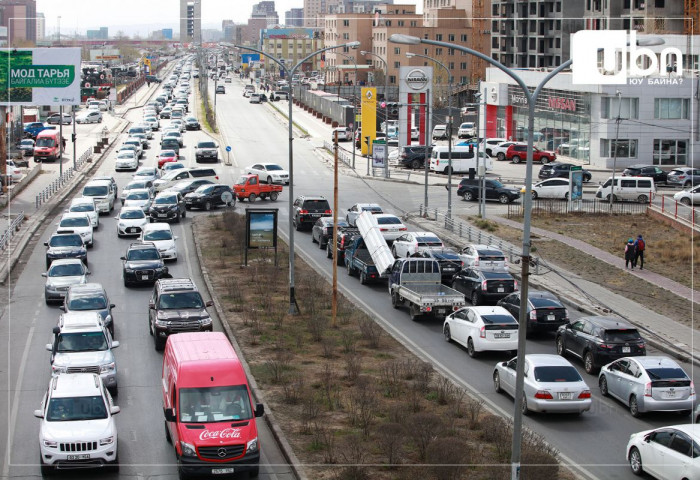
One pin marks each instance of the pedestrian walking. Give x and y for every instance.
(629, 253)
(639, 246)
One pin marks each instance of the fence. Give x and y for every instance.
(14, 227)
(475, 235)
(343, 156)
(552, 207)
(59, 182)
(678, 211)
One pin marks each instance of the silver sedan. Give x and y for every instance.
(552, 385)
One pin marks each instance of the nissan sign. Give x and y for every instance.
(417, 79)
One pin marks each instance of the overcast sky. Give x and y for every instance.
(144, 16)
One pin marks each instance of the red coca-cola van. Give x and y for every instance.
(209, 415)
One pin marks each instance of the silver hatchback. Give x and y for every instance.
(648, 384)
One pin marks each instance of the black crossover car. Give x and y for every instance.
(208, 196)
(469, 189)
(450, 263)
(143, 264)
(560, 170)
(65, 245)
(545, 312)
(308, 209)
(659, 176)
(484, 285)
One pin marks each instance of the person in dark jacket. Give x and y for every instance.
(629, 254)
(639, 246)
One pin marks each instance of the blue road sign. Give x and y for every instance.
(228, 148)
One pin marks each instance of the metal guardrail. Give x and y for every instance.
(554, 207)
(680, 212)
(343, 156)
(59, 182)
(475, 235)
(9, 233)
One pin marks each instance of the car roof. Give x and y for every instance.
(386, 215)
(609, 322)
(541, 294)
(87, 289)
(424, 234)
(100, 182)
(489, 309)
(81, 320)
(656, 361)
(78, 200)
(546, 359)
(76, 385)
(66, 261)
(74, 215)
(157, 226)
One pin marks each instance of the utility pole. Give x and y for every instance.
(3, 149)
(482, 176)
(617, 139)
(60, 140)
(334, 297)
(478, 108)
(426, 159)
(74, 136)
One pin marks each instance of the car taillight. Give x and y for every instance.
(605, 345)
(515, 285)
(303, 212)
(328, 211)
(217, 177)
(476, 262)
(692, 388)
(647, 390)
(483, 286)
(482, 332)
(533, 314)
(383, 229)
(566, 314)
(585, 394)
(403, 229)
(543, 395)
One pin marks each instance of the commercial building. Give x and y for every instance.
(191, 21)
(659, 114)
(290, 45)
(294, 17)
(639, 15)
(266, 10)
(101, 34)
(19, 16)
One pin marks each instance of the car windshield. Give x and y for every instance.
(155, 235)
(45, 142)
(135, 185)
(496, 275)
(73, 409)
(126, 154)
(144, 173)
(389, 221)
(137, 196)
(27, 143)
(75, 222)
(215, 404)
(143, 254)
(558, 373)
(429, 241)
(96, 191)
(622, 336)
(65, 241)
(165, 200)
(83, 207)
(95, 302)
(172, 133)
(66, 270)
(206, 145)
(661, 373)
(497, 319)
(180, 300)
(132, 214)
(205, 189)
(167, 153)
(544, 302)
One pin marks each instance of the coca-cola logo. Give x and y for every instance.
(225, 433)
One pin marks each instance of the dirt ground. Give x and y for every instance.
(348, 397)
(669, 252)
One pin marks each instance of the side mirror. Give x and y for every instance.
(151, 305)
(43, 274)
(504, 364)
(39, 413)
(114, 410)
(46, 244)
(209, 303)
(115, 343)
(87, 272)
(62, 307)
(169, 414)
(175, 238)
(111, 305)
(259, 410)
(56, 330)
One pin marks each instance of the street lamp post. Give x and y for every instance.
(527, 207)
(449, 130)
(293, 307)
(354, 106)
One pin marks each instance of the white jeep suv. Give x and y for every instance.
(77, 427)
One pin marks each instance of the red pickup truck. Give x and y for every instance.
(518, 153)
(250, 187)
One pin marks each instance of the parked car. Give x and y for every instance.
(220, 89)
(469, 190)
(13, 172)
(683, 177)
(89, 117)
(552, 385)
(63, 273)
(517, 153)
(690, 196)
(322, 230)
(482, 285)
(552, 188)
(648, 384)
(411, 243)
(466, 130)
(55, 119)
(652, 171)
(560, 170)
(439, 132)
(26, 146)
(545, 312)
(482, 329)
(599, 340)
(665, 452)
(499, 150)
(488, 144)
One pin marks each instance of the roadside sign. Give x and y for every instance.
(378, 154)
(228, 148)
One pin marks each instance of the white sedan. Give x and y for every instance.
(688, 197)
(126, 160)
(77, 222)
(130, 221)
(269, 172)
(666, 452)
(482, 329)
(551, 188)
(13, 171)
(91, 116)
(391, 226)
(415, 242)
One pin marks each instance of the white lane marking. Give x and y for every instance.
(187, 252)
(16, 399)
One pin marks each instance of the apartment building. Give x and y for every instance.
(291, 45)
(19, 17)
(644, 16)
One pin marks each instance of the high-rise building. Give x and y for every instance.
(228, 29)
(167, 33)
(291, 45)
(534, 33)
(19, 16)
(191, 21)
(266, 10)
(40, 27)
(645, 17)
(101, 34)
(294, 17)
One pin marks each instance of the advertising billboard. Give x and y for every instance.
(262, 228)
(40, 76)
(369, 117)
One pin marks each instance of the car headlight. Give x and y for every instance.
(122, 225)
(107, 440)
(188, 449)
(108, 319)
(51, 288)
(161, 323)
(252, 446)
(58, 369)
(206, 321)
(50, 443)
(128, 270)
(107, 367)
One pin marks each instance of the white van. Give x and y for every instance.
(635, 189)
(102, 192)
(462, 159)
(174, 176)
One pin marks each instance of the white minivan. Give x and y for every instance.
(635, 189)
(462, 159)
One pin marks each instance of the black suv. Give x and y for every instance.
(481, 285)
(346, 236)
(65, 245)
(469, 190)
(308, 209)
(659, 176)
(170, 144)
(450, 263)
(168, 205)
(414, 156)
(545, 312)
(207, 196)
(176, 306)
(599, 341)
(142, 264)
(560, 170)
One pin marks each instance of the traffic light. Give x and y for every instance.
(391, 108)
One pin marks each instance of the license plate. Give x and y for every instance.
(670, 394)
(626, 349)
(566, 395)
(131, 229)
(144, 277)
(162, 215)
(83, 456)
(551, 317)
(501, 335)
(501, 290)
(220, 471)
